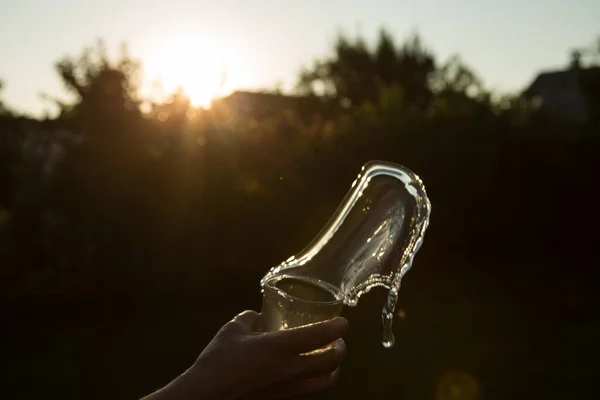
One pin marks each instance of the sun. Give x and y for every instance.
(199, 66)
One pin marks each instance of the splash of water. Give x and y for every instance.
(370, 241)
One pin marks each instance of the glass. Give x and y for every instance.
(289, 302)
(370, 241)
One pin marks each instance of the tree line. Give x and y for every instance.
(121, 198)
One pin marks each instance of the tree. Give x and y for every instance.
(174, 113)
(386, 59)
(10, 155)
(3, 109)
(355, 74)
(102, 89)
(458, 90)
(93, 203)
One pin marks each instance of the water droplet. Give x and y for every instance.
(388, 339)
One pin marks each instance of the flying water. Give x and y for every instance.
(370, 241)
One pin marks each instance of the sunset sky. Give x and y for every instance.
(262, 42)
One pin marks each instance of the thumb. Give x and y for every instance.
(248, 319)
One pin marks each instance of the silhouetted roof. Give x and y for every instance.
(262, 97)
(264, 103)
(565, 78)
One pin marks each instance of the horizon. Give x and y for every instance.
(266, 43)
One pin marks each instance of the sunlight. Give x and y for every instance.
(201, 66)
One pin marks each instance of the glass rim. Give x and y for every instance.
(270, 285)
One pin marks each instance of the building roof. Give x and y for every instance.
(562, 79)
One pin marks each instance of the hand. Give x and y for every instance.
(240, 363)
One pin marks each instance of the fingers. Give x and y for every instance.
(310, 337)
(320, 362)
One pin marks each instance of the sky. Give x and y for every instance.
(263, 43)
